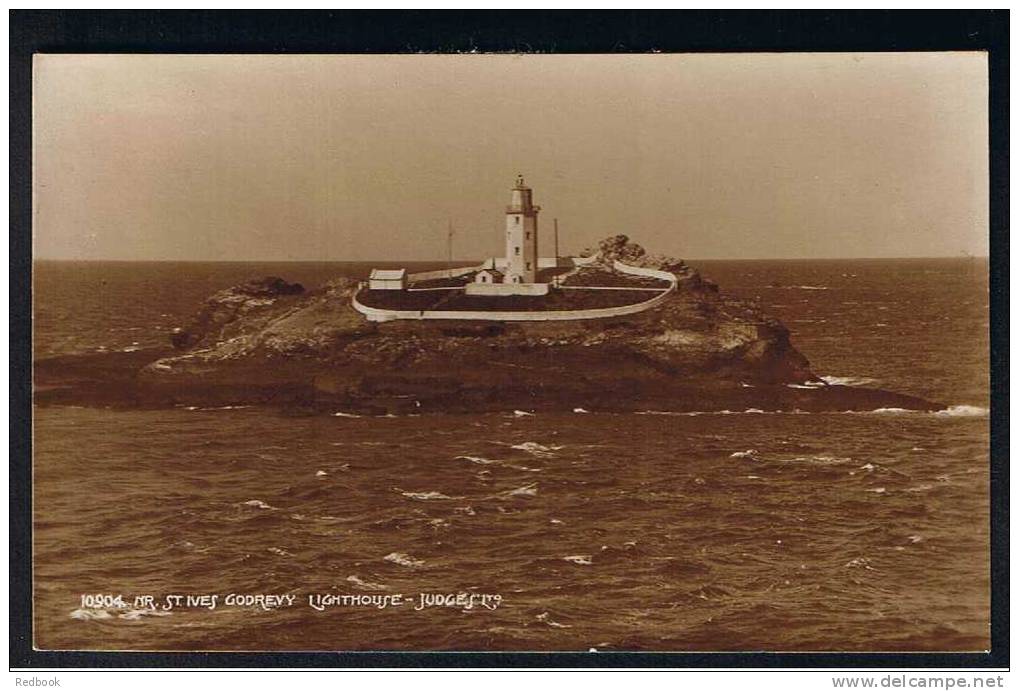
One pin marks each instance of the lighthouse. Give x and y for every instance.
(521, 235)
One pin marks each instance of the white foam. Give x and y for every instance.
(580, 410)
(403, 559)
(749, 453)
(525, 491)
(135, 614)
(848, 381)
(522, 413)
(582, 559)
(366, 585)
(321, 473)
(478, 459)
(258, 503)
(544, 618)
(426, 496)
(963, 411)
(280, 552)
(86, 614)
(536, 449)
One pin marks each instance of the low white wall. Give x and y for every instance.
(506, 289)
(376, 314)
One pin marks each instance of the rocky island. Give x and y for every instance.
(270, 342)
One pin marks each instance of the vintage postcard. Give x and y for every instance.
(632, 352)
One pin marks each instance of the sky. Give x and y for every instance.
(360, 158)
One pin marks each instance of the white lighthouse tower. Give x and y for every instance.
(521, 236)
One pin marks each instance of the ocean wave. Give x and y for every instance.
(522, 413)
(342, 414)
(366, 585)
(480, 460)
(536, 449)
(403, 559)
(259, 504)
(580, 410)
(749, 453)
(525, 491)
(951, 411)
(808, 385)
(423, 496)
(545, 619)
(963, 411)
(806, 287)
(848, 381)
(582, 559)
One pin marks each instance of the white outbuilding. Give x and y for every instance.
(387, 279)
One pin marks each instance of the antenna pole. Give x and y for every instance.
(449, 242)
(555, 224)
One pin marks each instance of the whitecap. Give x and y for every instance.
(134, 614)
(366, 585)
(963, 411)
(403, 559)
(848, 381)
(891, 411)
(749, 453)
(280, 552)
(536, 449)
(544, 618)
(582, 559)
(424, 496)
(342, 414)
(525, 491)
(580, 410)
(859, 563)
(522, 413)
(258, 503)
(808, 385)
(753, 410)
(86, 614)
(321, 473)
(478, 459)
(876, 490)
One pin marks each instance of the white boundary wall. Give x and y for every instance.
(377, 314)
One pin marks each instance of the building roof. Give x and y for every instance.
(494, 272)
(388, 274)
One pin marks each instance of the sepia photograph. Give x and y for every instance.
(594, 353)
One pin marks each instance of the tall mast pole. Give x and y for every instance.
(555, 224)
(449, 242)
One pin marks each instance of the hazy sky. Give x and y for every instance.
(369, 157)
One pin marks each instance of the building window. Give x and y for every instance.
(516, 219)
(528, 266)
(516, 251)
(528, 235)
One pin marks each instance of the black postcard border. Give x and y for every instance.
(280, 32)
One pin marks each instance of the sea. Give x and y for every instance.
(247, 529)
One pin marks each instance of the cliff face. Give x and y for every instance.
(272, 342)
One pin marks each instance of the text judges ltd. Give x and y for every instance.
(317, 601)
